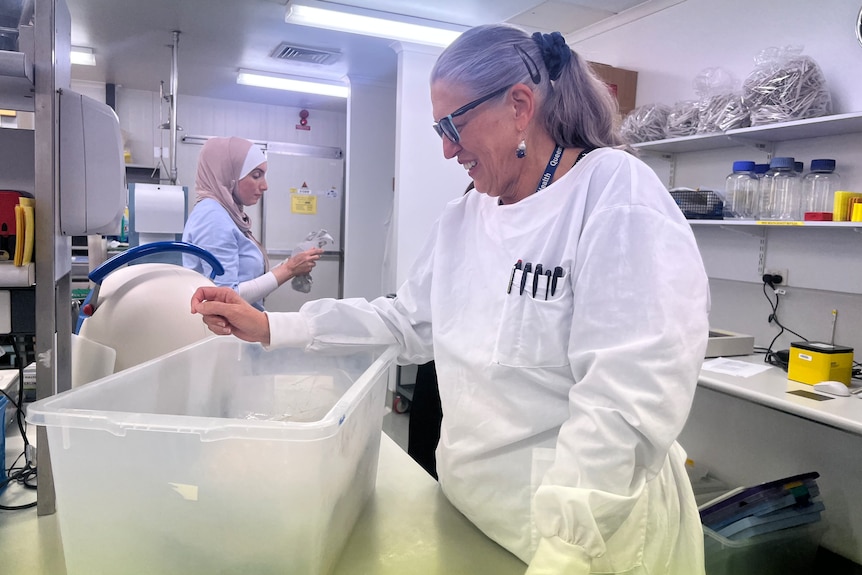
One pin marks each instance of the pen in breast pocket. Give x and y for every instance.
(547, 283)
(536, 276)
(527, 267)
(558, 273)
(515, 267)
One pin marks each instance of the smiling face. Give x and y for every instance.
(488, 136)
(251, 188)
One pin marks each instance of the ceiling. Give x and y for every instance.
(132, 40)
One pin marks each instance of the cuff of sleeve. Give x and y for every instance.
(554, 556)
(288, 330)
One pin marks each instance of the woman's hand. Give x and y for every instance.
(225, 312)
(298, 264)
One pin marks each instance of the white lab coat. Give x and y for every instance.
(559, 415)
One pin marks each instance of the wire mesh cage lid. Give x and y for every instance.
(698, 204)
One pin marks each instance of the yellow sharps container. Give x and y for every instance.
(813, 361)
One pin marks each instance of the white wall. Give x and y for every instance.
(424, 180)
(369, 188)
(139, 113)
(669, 48)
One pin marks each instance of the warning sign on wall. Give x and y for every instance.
(303, 204)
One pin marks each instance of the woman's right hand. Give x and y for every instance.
(298, 264)
(225, 312)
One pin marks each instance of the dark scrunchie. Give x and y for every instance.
(555, 52)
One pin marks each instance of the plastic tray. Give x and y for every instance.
(787, 552)
(218, 458)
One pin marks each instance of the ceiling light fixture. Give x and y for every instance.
(279, 82)
(371, 23)
(83, 56)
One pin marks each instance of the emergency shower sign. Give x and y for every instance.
(303, 201)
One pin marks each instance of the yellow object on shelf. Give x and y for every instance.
(841, 207)
(813, 361)
(28, 207)
(19, 235)
(856, 216)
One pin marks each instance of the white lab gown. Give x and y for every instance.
(559, 415)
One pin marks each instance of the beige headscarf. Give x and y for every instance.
(220, 168)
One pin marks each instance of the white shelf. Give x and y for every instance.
(770, 224)
(835, 125)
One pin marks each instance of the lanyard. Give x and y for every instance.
(551, 168)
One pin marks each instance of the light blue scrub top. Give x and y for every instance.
(210, 227)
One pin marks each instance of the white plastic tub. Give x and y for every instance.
(220, 458)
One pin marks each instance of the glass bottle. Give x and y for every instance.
(779, 191)
(740, 191)
(819, 186)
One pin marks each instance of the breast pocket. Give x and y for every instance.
(534, 331)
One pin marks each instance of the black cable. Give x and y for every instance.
(771, 357)
(19, 412)
(21, 475)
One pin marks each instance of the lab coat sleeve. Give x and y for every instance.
(638, 336)
(555, 556)
(404, 320)
(258, 288)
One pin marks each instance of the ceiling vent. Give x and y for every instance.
(293, 53)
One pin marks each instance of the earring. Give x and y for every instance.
(521, 150)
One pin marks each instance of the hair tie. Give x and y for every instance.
(555, 52)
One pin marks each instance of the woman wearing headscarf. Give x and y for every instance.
(563, 388)
(232, 175)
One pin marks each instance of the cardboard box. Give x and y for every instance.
(622, 83)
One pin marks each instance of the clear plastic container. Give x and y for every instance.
(819, 186)
(780, 191)
(220, 457)
(740, 191)
(791, 551)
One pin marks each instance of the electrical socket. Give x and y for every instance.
(777, 272)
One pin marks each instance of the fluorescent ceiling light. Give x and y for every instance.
(83, 56)
(279, 82)
(369, 23)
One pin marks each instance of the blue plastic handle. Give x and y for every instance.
(137, 252)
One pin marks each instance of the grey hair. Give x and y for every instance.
(577, 110)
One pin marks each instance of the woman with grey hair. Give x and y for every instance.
(565, 304)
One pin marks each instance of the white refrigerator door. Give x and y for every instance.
(326, 282)
(304, 196)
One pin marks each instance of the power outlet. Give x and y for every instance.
(777, 272)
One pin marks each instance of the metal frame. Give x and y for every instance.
(52, 31)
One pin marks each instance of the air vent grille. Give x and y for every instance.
(286, 51)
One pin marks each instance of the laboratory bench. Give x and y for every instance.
(749, 430)
(408, 526)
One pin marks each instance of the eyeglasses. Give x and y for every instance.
(445, 126)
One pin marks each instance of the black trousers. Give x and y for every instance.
(425, 417)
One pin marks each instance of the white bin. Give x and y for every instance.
(219, 458)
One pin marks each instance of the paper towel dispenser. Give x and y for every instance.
(92, 192)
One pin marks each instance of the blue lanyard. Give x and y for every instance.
(551, 168)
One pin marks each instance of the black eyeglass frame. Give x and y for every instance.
(445, 126)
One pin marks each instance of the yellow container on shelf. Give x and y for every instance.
(841, 207)
(856, 216)
(813, 361)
